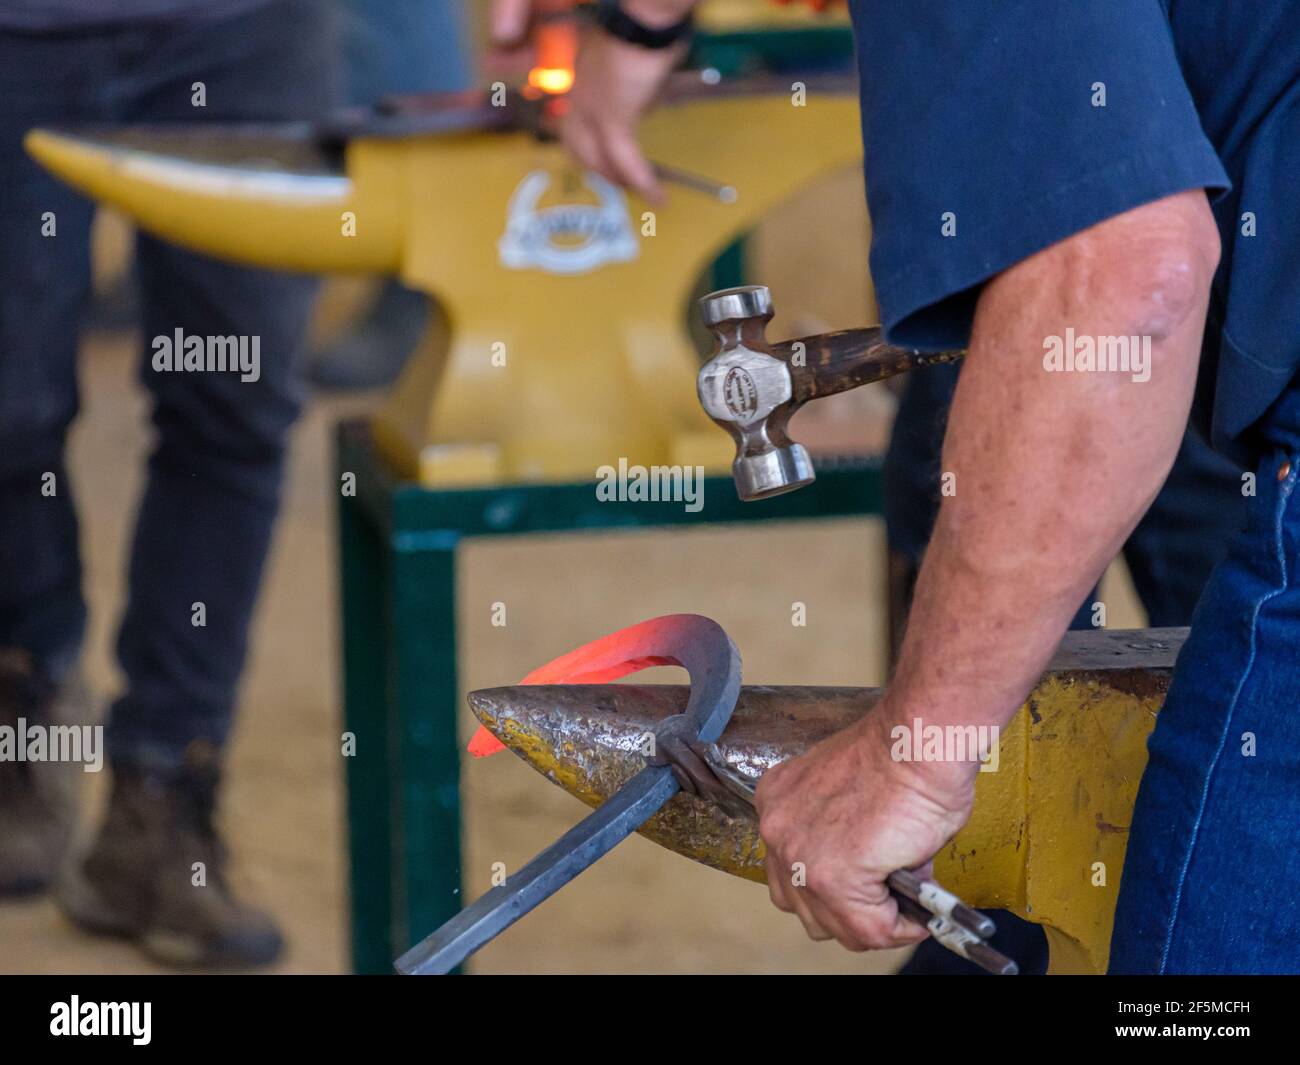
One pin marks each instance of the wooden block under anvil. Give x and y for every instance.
(1053, 802)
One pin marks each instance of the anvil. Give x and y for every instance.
(561, 342)
(1050, 825)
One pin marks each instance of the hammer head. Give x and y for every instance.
(749, 392)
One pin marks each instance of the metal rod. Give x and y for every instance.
(990, 960)
(541, 878)
(720, 192)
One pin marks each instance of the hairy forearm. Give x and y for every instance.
(1049, 474)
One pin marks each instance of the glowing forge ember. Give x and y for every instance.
(556, 40)
(599, 662)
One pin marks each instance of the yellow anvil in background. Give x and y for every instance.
(564, 343)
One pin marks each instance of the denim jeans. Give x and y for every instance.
(204, 524)
(405, 46)
(1213, 862)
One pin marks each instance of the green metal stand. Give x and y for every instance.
(398, 556)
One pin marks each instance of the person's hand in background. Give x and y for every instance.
(509, 21)
(615, 84)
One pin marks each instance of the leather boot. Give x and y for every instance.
(156, 873)
(38, 799)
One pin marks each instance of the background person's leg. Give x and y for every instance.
(911, 482)
(1185, 534)
(205, 522)
(44, 275)
(209, 505)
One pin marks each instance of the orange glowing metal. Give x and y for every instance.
(557, 49)
(551, 80)
(598, 662)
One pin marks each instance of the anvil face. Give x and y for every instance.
(591, 739)
(285, 147)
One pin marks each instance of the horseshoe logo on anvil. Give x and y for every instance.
(603, 230)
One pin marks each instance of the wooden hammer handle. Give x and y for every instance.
(827, 363)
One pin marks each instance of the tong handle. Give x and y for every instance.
(958, 927)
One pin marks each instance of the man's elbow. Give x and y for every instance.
(1156, 264)
(1146, 272)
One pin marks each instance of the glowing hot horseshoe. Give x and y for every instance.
(696, 644)
(691, 641)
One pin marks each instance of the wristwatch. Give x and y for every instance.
(610, 17)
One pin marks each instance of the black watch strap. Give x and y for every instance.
(610, 16)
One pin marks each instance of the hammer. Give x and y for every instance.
(751, 388)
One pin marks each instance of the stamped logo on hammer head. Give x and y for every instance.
(740, 393)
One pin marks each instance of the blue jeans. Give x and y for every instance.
(1210, 878)
(204, 524)
(405, 46)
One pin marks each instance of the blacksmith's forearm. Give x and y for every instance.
(1050, 479)
(1051, 472)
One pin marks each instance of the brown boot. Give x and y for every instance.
(156, 873)
(38, 800)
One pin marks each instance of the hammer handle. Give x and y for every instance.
(827, 363)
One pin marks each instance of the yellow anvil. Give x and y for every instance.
(565, 344)
(1051, 820)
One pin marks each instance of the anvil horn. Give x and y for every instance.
(1050, 819)
(263, 196)
(591, 739)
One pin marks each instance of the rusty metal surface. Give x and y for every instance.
(1135, 661)
(1108, 650)
(590, 739)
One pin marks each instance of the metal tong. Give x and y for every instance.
(962, 929)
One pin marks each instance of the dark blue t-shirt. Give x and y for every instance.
(995, 128)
